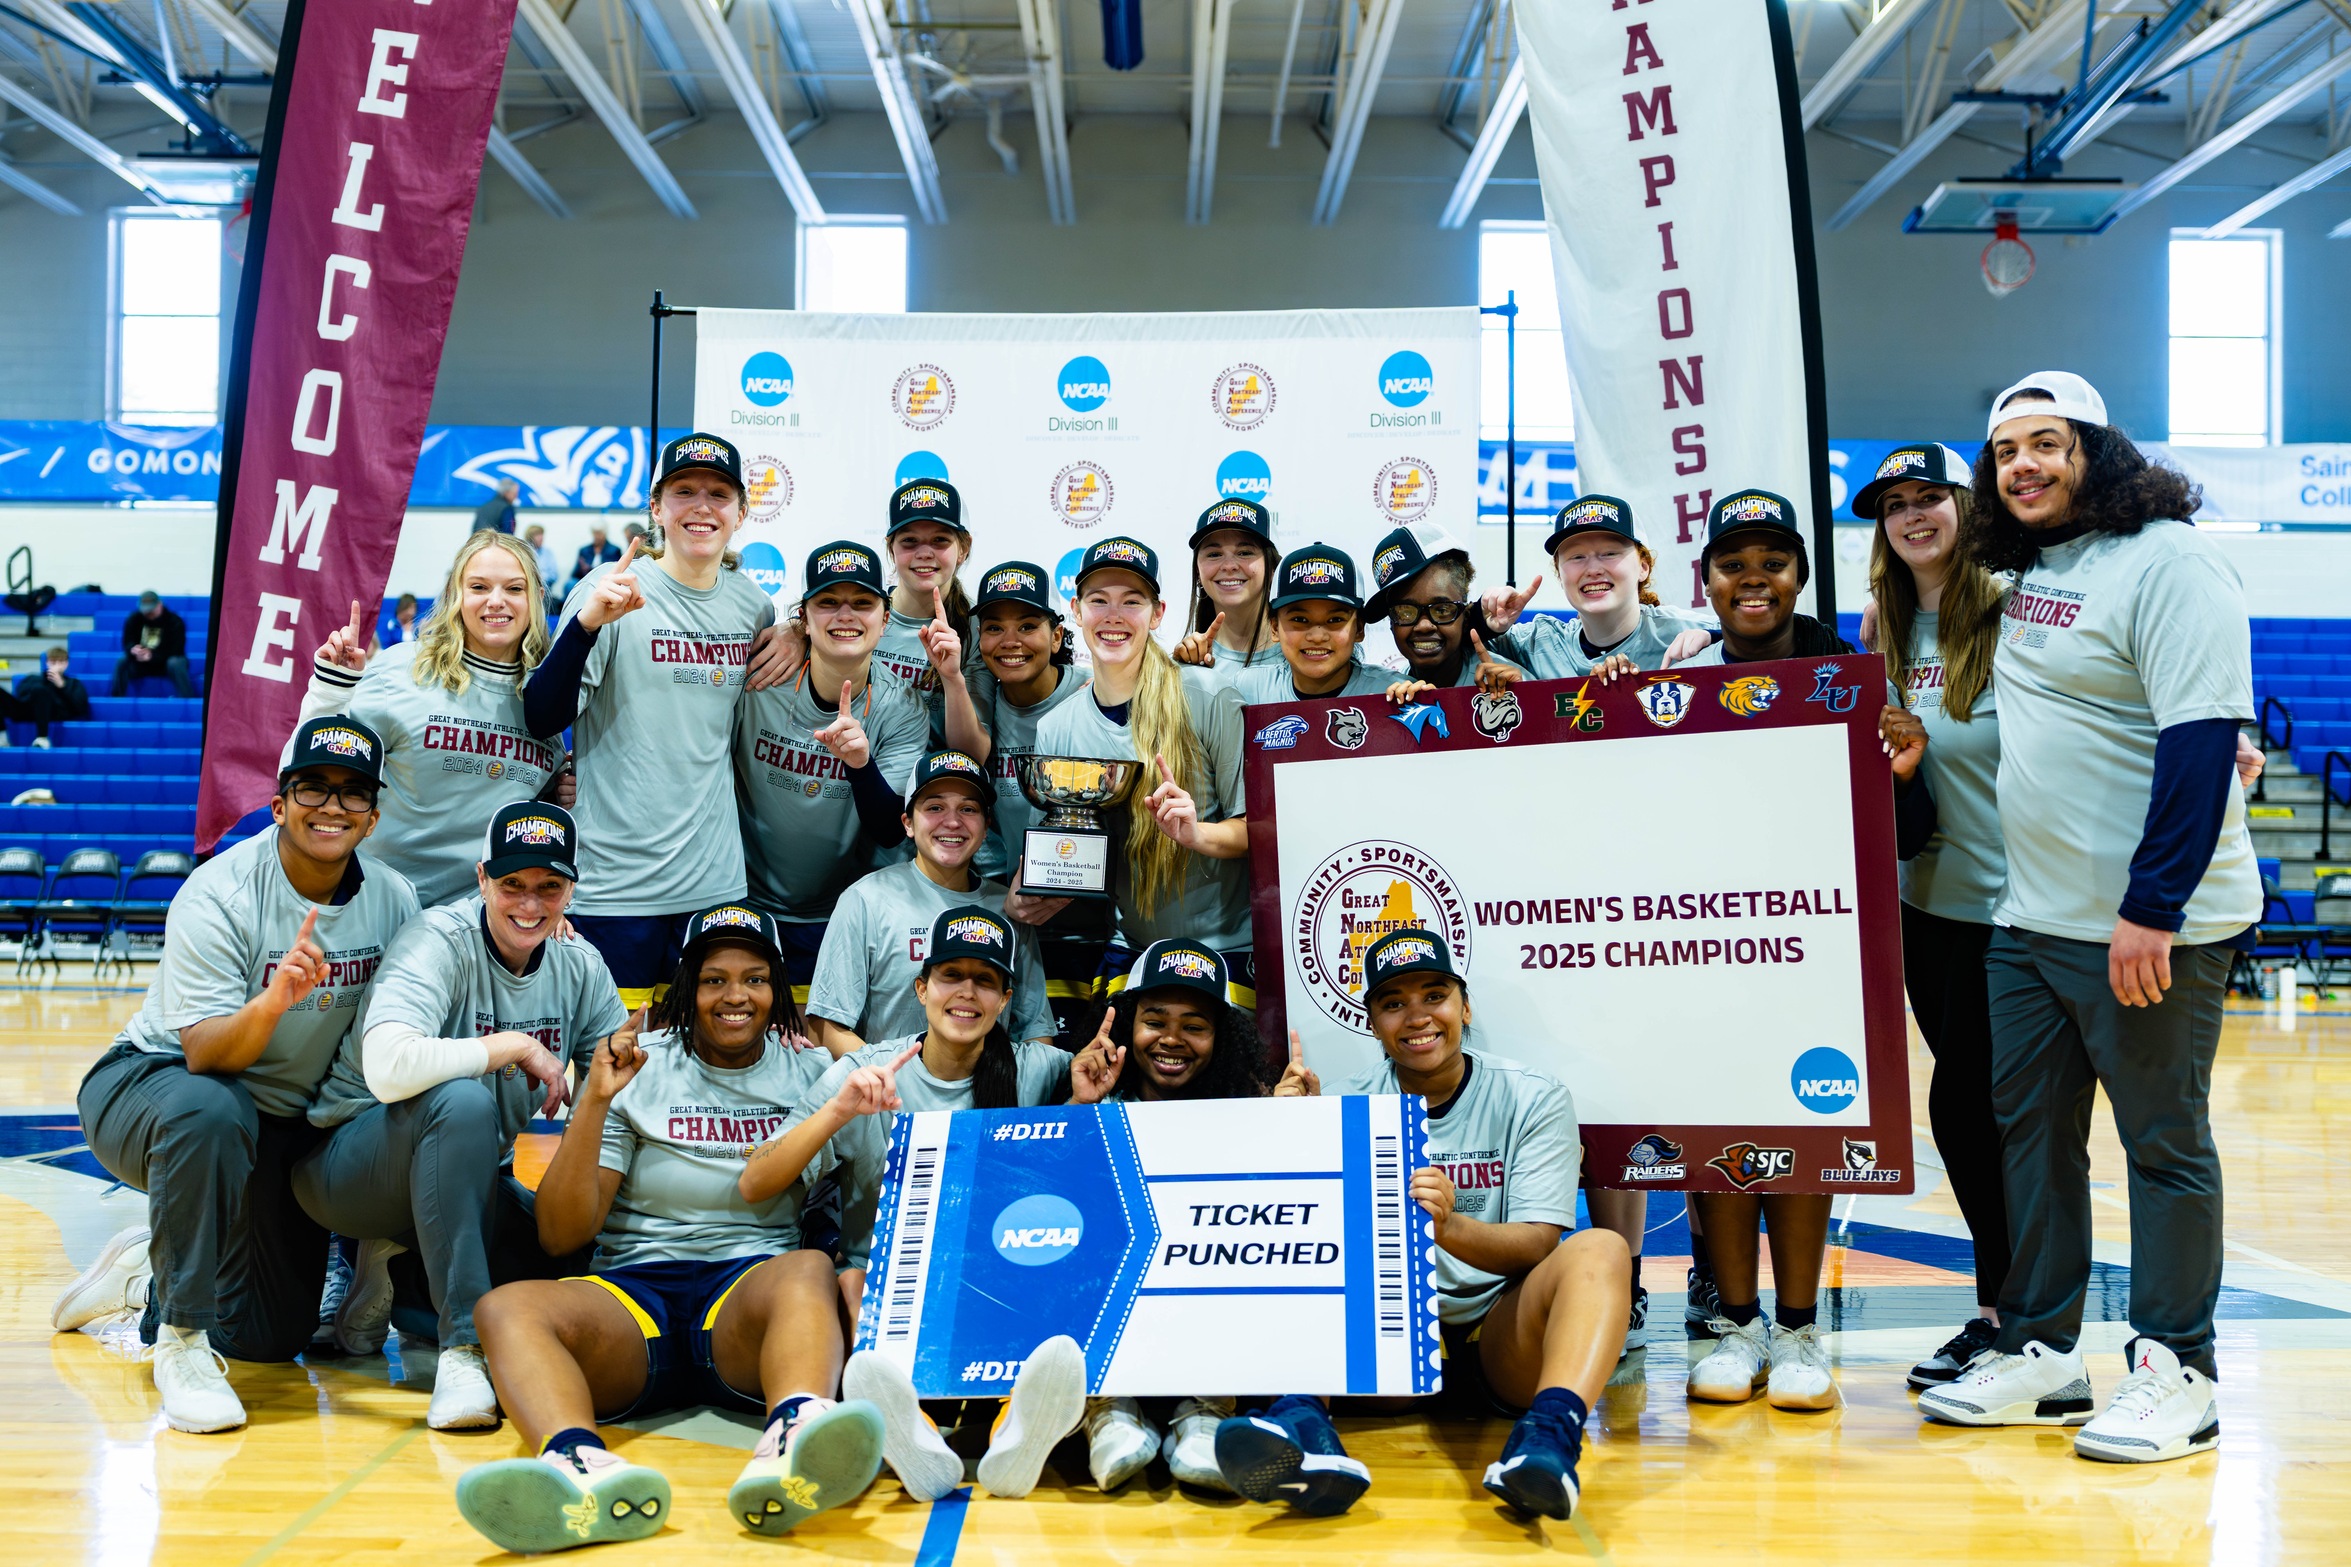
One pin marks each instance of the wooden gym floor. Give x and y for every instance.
(337, 1465)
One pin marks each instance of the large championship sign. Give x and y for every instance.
(1060, 430)
(1161, 1237)
(1675, 893)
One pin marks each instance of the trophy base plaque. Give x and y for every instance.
(1065, 863)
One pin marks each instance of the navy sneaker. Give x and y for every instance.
(1703, 1306)
(1290, 1453)
(1536, 1472)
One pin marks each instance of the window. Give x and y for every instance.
(854, 264)
(166, 318)
(2224, 332)
(1517, 256)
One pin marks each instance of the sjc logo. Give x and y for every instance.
(767, 379)
(1084, 384)
(1406, 379)
(1037, 1230)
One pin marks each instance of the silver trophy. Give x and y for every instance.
(1067, 853)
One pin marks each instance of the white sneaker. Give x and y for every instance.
(1048, 1400)
(554, 1501)
(366, 1313)
(1190, 1448)
(2162, 1410)
(825, 1458)
(463, 1399)
(115, 1283)
(1119, 1441)
(921, 1459)
(2038, 1386)
(194, 1382)
(1801, 1377)
(1740, 1364)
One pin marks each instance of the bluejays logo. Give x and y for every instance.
(1745, 1165)
(1347, 728)
(921, 497)
(922, 397)
(1385, 565)
(574, 465)
(1749, 695)
(846, 562)
(1495, 717)
(1187, 962)
(1579, 708)
(1315, 571)
(975, 930)
(1241, 396)
(1836, 698)
(1753, 508)
(538, 831)
(1861, 1153)
(1401, 954)
(1420, 718)
(733, 916)
(1902, 462)
(342, 742)
(1011, 579)
(1861, 1166)
(1665, 703)
(1281, 734)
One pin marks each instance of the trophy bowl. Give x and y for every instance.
(1067, 853)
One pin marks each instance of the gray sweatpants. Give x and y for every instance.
(425, 1172)
(2058, 1035)
(233, 1253)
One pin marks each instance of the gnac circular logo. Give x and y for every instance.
(1080, 494)
(770, 486)
(922, 397)
(1357, 896)
(1405, 490)
(1242, 396)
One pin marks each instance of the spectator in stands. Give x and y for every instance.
(536, 537)
(400, 625)
(154, 642)
(594, 553)
(44, 699)
(497, 513)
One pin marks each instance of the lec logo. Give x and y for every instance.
(1579, 707)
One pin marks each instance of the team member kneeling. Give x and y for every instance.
(698, 1295)
(1532, 1323)
(962, 1060)
(267, 953)
(472, 1020)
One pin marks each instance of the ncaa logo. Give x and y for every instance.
(922, 397)
(1037, 1230)
(919, 465)
(763, 567)
(1406, 379)
(767, 379)
(1084, 384)
(1824, 1080)
(1357, 896)
(770, 484)
(1245, 474)
(1242, 395)
(1065, 575)
(1405, 490)
(1080, 494)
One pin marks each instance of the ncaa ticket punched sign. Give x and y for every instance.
(1161, 1237)
(1675, 893)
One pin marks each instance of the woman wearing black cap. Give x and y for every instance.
(1232, 562)
(1604, 568)
(1532, 1314)
(1317, 608)
(697, 1294)
(924, 643)
(652, 696)
(962, 1060)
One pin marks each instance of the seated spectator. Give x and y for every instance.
(497, 512)
(44, 699)
(536, 537)
(154, 642)
(400, 625)
(594, 553)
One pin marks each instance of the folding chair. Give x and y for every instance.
(79, 902)
(140, 908)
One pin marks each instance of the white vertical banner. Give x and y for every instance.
(1670, 146)
(1059, 430)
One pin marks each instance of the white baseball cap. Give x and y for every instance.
(2072, 397)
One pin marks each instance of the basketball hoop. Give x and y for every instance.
(2008, 261)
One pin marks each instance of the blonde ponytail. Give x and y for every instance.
(1160, 722)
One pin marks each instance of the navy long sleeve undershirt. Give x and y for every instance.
(879, 810)
(552, 698)
(2193, 764)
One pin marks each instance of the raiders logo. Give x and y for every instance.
(1347, 728)
(1495, 717)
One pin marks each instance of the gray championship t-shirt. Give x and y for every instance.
(679, 1133)
(1510, 1144)
(1551, 648)
(803, 843)
(656, 810)
(2108, 640)
(1012, 734)
(900, 651)
(1212, 906)
(1274, 683)
(442, 979)
(1231, 666)
(876, 944)
(857, 1150)
(450, 760)
(1958, 875)
(228, 927)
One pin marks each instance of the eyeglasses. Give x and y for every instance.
(1441, 612)
(311, 794)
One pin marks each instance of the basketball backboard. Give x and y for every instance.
(2036, 206)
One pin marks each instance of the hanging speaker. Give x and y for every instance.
(1122, 34)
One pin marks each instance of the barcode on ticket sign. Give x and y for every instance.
(910, 1249)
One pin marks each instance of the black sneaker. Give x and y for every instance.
(1945, 1364)
(1636, 1330)
(1704, 1305)
(1536, 1472)
(1290, 1453)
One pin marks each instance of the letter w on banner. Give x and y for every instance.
(1671, 150)
(377, 123)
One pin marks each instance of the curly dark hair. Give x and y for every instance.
(2116, 490)
(1237, 1069)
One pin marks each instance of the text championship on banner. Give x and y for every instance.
(1675, 893)
(1159, 1237)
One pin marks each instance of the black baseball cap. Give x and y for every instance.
(741, 925)
(969, 931)
(1751, 511)
(843, 560)
(1922, 462)
(1247, 516)
(926, 500)
(701, 451)
(532, 835)
(1016, 582)
(1319, 571)
(1179, 963)
(335, 741)
(1591, 514)
(1124, 553)
(938, 765)
(1402, 952)
(1403, 554)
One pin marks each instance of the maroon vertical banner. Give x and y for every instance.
(377, 124)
